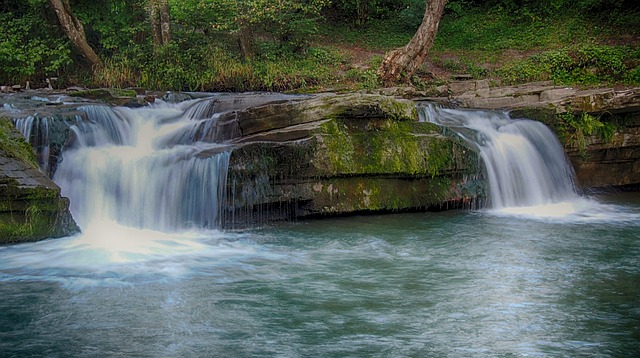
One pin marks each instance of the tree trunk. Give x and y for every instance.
(245, 41)
(165, 22)
(75, 31)
(406, 60)
(160, 22)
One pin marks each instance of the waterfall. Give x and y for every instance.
(525, 163)
(143, 168)
(35, 130)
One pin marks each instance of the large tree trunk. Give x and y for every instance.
(406, 60)
(160, 22)
(75, 31)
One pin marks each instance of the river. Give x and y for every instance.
(452, 284)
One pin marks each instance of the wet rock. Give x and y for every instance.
(31, 207)
(344, 154)
(176, 97)
(480, 94)
(115, 97)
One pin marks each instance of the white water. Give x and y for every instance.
(25, 126)
(145, 197)
(527, 170)
(127, 167)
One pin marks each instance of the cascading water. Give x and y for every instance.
(142, 168)
(525, 164)
(39, 138)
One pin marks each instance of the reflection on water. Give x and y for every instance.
(551, 281)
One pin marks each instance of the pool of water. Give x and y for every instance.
(553, 281)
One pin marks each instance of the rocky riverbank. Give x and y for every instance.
(31, 207)
(308, 155)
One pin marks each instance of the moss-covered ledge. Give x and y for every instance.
(31, 207)
(345, 154)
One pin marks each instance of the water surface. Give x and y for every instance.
(540, 282)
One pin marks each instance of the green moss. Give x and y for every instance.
(32, 224)
(112, 96)
(439, 157)
(339, 147)
(385, 146)
(14, 145)
(357, 194)
(399, 111)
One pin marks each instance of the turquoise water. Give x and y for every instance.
(550, 282)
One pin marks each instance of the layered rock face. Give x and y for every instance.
(615, 162)
(31, 207)
(335, 155)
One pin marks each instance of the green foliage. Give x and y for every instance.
(367, 79)
(30, 48)
(577, 128)
(477, 29)
(113, 25)
(633, 76)
(539, 9)
(586, 65)
(289, 23)
(379, 35)
(214, 69)
(359, 13)
(301, 44)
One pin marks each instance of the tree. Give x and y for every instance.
(409, 58)
(289, 23)
(74, 30)
(160, 22)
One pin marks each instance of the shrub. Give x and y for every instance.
(587, 64)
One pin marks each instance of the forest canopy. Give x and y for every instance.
(271, 44)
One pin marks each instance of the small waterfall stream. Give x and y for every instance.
(140, 168)
(525, 163)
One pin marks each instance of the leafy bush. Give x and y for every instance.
(360, 12)
(30, 48)
(587, 64)
(577, 128)
(288, 23)
(114, 25)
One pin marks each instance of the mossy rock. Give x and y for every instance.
(113, 96)
(31, 207)
(13, 144)
(344, 154)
